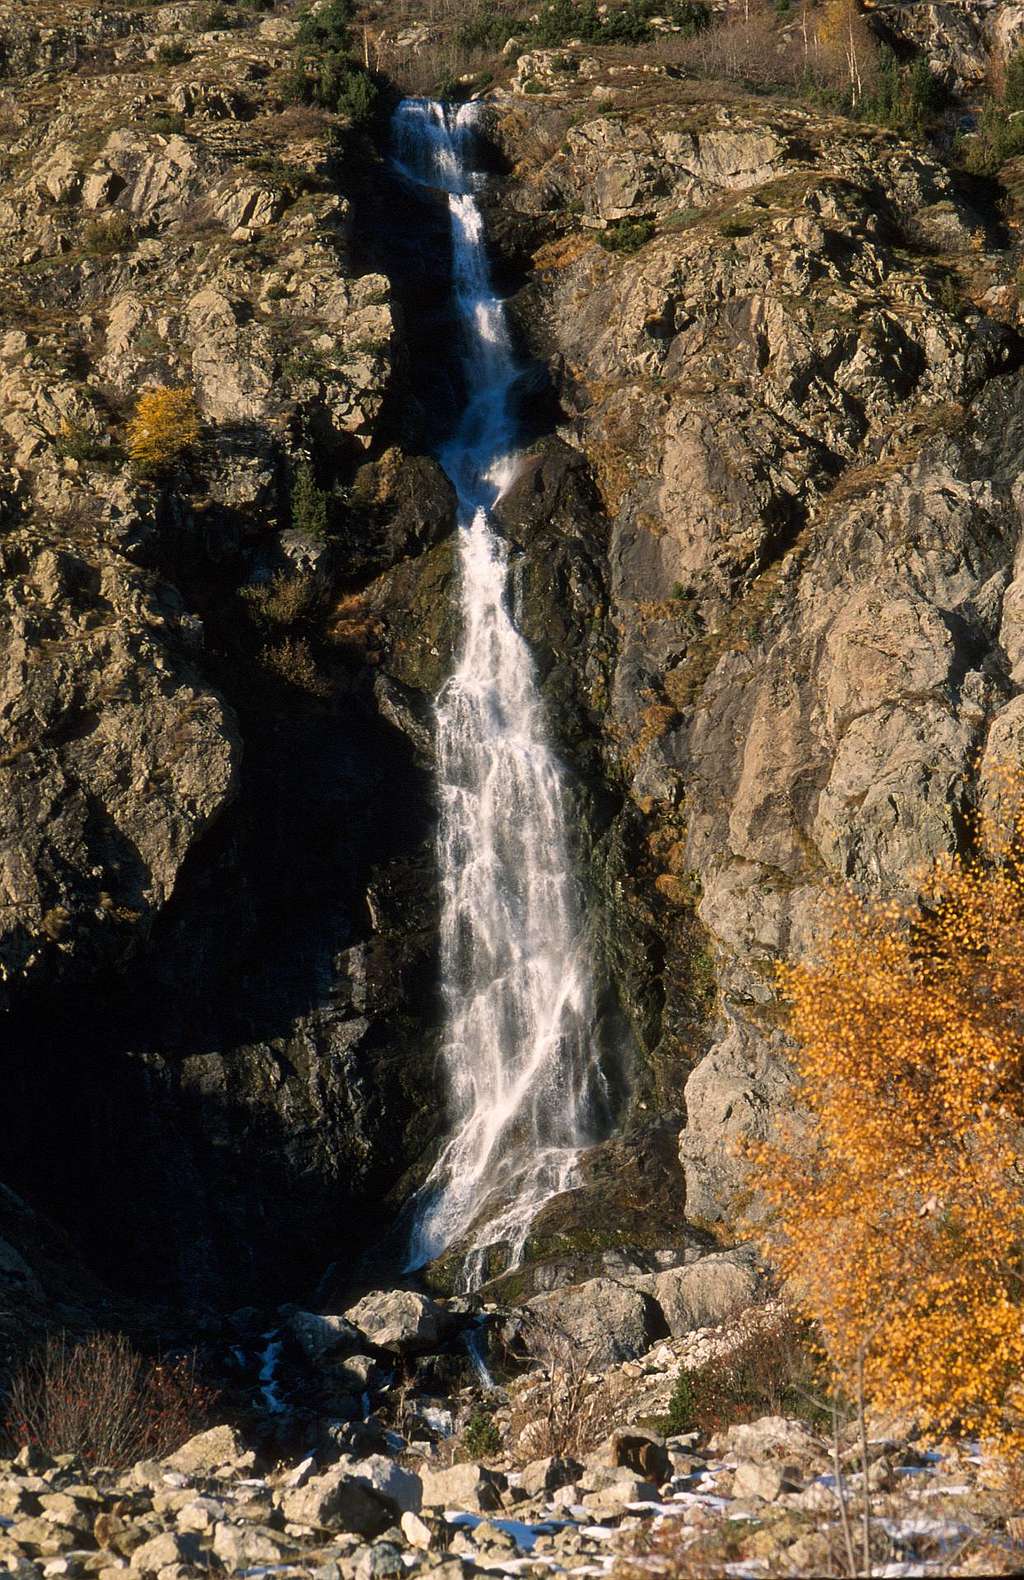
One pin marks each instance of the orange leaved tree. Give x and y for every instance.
(897, 1202)
(164, 429)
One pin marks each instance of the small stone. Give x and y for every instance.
(380, 1562)
(162, 1551)
(415, 1530)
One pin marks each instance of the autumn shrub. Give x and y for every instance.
(293, 662)
(897, 1198)
(108, 236)
(285, 600)
(99, 1399)
(164, 429)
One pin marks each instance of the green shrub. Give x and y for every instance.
(166, 121)
(999, 137)
(680, 1406)
(626, 235)
(328, 27)
(219, 19)
(904, 98)
(357, 96)
(309, 503)
(1013, 88)
(486, 29)
(480, 1437)
(693, 16)
(78, 442)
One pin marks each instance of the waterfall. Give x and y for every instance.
(518, 1046)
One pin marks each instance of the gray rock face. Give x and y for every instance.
(118, 758)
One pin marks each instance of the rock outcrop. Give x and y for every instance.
(797, 392)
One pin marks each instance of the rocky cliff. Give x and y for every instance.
(765, 542)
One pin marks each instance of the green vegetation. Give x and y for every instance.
(1000, 134)
(480, 1437)
(680, 1406)
(626, 235)
(309, 504)
(585, 20)
(323, 73)
(905, 98)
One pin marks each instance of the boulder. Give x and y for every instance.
(401, 1320)
(705, 1293)
(320, 1336)
(163, 1550)
(465, 1488)
(605, 1320)
(250, 1546)
(364, 1496)
(765, 1482)
(772, 1437)
(547, 1475)
(636, 1450)
(213, 1450)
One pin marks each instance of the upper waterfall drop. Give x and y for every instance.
(519, 1005)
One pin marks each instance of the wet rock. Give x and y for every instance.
(321, 1336)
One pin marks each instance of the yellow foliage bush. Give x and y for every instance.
(898, 1199)
(165, 428)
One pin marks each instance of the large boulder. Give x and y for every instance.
(401, 1320)
(219, 1448)
(364, 1496)
(606, 1321)
(321, 1336)
(464, 1488)
(704, 1293)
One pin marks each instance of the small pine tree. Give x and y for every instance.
(1013, 87)
(164, 429)
(309, 503)
(899, 1202)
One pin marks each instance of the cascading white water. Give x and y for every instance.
(518, 1045)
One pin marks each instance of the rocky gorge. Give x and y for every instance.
(764, 546)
